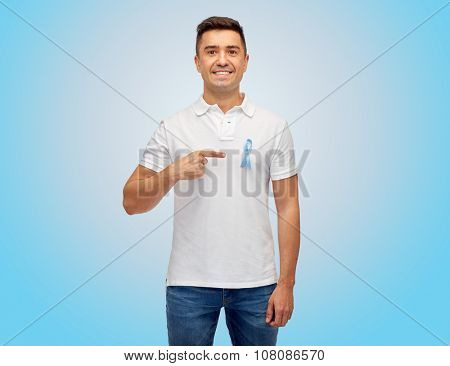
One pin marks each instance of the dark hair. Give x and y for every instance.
(219, 23)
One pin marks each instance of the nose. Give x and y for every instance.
(222, 60)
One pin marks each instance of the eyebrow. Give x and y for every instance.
(215, 46)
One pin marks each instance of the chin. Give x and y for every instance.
(223, 86)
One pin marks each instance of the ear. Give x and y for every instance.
(197, 63)
(246, 61)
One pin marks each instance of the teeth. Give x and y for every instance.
(222, 72)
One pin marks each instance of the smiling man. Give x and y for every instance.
(219, 155)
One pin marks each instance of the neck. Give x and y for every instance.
(225, 100)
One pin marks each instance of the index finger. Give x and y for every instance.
(212, 153)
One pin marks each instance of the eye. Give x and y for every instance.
(233, 52)
(209, 52)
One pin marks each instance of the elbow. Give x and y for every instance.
(132, 204)
(128, 207)
(131, 207)
(128, 203)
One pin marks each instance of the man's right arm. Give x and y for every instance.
(145, 187)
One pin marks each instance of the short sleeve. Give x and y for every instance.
(156, 155)
(283, 159)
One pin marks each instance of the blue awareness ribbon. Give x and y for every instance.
(246, 159)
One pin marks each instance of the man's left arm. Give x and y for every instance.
(281, 302)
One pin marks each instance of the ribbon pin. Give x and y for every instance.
(246, 159)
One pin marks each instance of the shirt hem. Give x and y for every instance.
(284, 175)
(267, 281)
(151, 166)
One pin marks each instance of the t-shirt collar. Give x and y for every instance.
(201, 107)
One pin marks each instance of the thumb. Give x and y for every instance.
(269, 312)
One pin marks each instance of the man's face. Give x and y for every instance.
(221, 60)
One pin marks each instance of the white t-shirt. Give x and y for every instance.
(222, 235)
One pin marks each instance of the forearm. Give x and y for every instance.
(144, 194)
(289, 243)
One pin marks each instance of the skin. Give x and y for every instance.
(224, 50)
(281, 303)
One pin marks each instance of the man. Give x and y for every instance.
(219, 155)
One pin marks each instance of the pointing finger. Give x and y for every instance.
(212, 153)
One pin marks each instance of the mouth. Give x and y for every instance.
(222, 73)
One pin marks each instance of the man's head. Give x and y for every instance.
(221, 53)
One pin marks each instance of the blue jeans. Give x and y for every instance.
(193, 312)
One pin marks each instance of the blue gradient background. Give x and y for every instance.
(377, 173)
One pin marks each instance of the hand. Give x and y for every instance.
(280, 306)
(192, 166)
